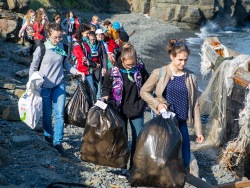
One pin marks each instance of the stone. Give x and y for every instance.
(22, 140)
(11, 4)
(194, 168)
(3, 180)
(3, 97)
(19, 92)
(192, 16)
(180, 12)
(4, 156)
(23, 73)
(11, 113)
(5, 85)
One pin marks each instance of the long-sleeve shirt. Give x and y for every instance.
(51, 68)
(39, 31)
(132, 104)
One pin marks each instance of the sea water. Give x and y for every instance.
(237, 39)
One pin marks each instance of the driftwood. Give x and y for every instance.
(238, 184)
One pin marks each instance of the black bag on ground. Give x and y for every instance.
(157, 159)
(78, 106)
(104, 138)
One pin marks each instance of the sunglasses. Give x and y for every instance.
(180, 43)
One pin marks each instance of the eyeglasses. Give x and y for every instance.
(92, 39)
(57, 38)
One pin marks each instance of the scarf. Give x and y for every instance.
(57, 49)
(131, 71)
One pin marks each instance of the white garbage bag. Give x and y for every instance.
(30, 103)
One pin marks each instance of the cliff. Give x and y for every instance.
(191, 12)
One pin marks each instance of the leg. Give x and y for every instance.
(185, 143)
(47, 111)
(90, 80)
(58, 98)
(136, 126)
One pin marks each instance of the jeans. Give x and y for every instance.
(90, 80)
(69, 38)
(99, 90)
(136, 126)
(54, 98)
(185, 143)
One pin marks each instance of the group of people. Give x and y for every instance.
(103, 53)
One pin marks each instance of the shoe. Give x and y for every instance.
(59, 148)
(124, 174)
(48, 140)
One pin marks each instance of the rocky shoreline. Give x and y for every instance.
(27, 161)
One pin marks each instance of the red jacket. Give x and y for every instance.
(112, 45)
(39, 31)
(81, 56)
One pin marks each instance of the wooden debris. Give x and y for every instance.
(239, 184)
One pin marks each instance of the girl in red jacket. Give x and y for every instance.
(82, 53)
(38, 27)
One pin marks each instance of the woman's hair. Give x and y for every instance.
(175, 47)
(68, 14)
(38, 17)
(106, 22)
(82, 28)
(128, 51)
(56, 17)
(27, 15)
(92, 33)
(53, 27)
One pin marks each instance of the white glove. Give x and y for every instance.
(166, 114)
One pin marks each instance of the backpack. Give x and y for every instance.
(117, 83)
(43, 50)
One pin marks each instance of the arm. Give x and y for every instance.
(36, 60)
(80, 56)
(104, 57)
(107, 85)
(64, 24)
(147, 89)
(197, 117)
(22, 29)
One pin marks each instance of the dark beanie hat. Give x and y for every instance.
(123, 36)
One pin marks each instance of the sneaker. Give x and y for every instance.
(124, 174)
(48, 140)
(59, 148)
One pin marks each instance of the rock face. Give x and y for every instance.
(194, 11)
(10, 21)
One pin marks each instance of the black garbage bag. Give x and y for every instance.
(104, 139)
(77, 108)
(157, 159)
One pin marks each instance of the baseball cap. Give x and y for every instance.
(99, 31)
(116, 25)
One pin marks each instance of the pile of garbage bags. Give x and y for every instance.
(104, 138)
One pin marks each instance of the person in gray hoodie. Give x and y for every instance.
(51, 65)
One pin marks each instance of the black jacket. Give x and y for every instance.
(131, 105)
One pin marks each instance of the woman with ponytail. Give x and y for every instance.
(121, 87)
(176, 90)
